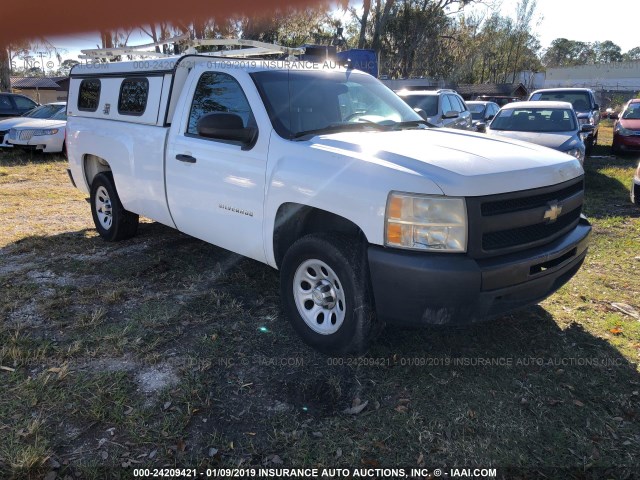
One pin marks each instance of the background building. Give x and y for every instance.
(41, 89)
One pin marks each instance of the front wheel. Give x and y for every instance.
(589, 144)
(112, 221)
(326, 296)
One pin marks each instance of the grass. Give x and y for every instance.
(166, 351)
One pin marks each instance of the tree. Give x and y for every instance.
(5, 70)
(495, 48)
(633, 54)
(569, 53)
(607, 52)
(291, 27)
(65, 67)
(412, 45)
(562, 53)
(8, 55)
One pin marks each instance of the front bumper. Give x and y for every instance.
(415, 288)
(626, 143)
(44, 143)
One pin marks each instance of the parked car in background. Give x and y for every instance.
(43, 111)
(501, 100)
(550, 124)
(635, 187)
(45, 135)
(626, 131)
(14, 105)
(482, 112)
(441, 108)
(584, 103)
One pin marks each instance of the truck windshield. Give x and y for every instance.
(317, 101)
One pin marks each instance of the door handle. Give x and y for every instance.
(186, 158)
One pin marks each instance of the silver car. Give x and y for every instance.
(550, 124)
(441, 108)
(482, 112)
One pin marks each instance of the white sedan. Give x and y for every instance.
(41, 112)
(43, 135)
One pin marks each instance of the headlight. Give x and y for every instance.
(423, 222)
(623, 132)
(575, 152)
(49, 131)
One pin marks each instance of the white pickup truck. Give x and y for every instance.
(371, 216)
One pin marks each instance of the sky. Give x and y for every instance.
(582, 20)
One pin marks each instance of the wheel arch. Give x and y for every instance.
(92, 165)
(293, 221)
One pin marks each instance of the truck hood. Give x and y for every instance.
(558, 141)
(460, 163)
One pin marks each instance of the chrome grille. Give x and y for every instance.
(26, 134)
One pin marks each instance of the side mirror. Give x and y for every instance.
(226, 126)
(481, 127)
(587, 128)
(596, 107)
(489, 117)
(422, 113)
(451, 114)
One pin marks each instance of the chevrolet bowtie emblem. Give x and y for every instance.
(553, 213)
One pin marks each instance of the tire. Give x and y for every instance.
(588, 146)
(326, 293)
(112, 221)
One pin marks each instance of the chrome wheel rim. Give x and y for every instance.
(319, 296)
(103, 208)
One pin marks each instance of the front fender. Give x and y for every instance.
(354, 187)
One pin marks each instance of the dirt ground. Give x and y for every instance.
(163, 351)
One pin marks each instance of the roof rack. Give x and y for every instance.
(188, 46)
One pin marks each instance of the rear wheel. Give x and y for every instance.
(326, 294)
(112, 221)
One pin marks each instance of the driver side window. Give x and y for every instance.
(218, 92)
